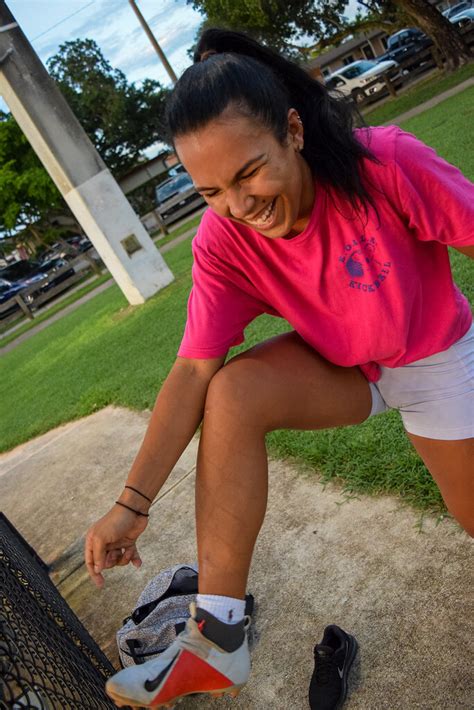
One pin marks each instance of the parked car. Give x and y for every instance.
(7, 291)
(177, 197)
(405, 45)
(351, 79)
(19, 270)
(78, 245)
(176, 170)
(450, 12)
(463, 18)
(47, 275)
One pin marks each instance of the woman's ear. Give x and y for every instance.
(295, 130)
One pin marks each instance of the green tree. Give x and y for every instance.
(29, 200)
(121, 118)
(307, 26)
(278, 23)
(421, 13)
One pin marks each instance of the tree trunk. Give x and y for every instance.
(36, 235)
(35, 242)
(445, 36)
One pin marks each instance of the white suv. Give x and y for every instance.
(351, 79)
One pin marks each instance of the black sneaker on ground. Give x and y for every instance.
(333, 658)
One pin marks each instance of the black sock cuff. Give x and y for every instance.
(227, 636)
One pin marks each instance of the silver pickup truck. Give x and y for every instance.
(176, 197)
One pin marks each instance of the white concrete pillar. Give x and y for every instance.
(86, 184)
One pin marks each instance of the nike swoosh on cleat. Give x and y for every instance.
(151, 685)
(340, 671)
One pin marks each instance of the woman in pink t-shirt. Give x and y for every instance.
(344, 234)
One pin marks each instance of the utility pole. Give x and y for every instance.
(154, 42)
(81, 176)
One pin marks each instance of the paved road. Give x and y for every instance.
(431, 102)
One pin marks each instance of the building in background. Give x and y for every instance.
(364, 46)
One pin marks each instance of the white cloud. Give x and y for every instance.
(115, 28)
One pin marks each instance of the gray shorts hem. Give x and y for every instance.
(379, 405)
(434, 395)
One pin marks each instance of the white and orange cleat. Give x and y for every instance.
(192, 664)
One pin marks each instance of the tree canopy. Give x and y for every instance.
(281, 24)
(121, 118)
(27, 193)
(301, 25)
(304, 26)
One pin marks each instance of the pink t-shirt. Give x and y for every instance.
(379, 293)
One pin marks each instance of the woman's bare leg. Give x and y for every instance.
(451, 463)
(281, 384)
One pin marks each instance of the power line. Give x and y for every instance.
(63, 20)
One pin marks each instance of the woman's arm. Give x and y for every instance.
(177, 413)
(176, 416)
(436, 199)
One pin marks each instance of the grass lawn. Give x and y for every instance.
(28, 324)
(423, 91)
(107, 352)
(446, 127)
(178, 231)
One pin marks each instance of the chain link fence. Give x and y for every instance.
(48, 660)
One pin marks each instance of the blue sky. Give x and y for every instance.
(115, 28)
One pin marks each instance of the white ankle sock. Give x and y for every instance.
(226, 609)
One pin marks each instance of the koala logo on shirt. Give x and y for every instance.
(359, 259)
(353, 266)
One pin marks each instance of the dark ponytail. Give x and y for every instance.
(232, 68)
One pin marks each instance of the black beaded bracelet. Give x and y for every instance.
(139, 493)
(137, 512)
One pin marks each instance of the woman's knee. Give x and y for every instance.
(236, 392)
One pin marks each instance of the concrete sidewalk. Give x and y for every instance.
(426, 105)
(361, 563)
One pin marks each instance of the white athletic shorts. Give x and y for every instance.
(435, 395)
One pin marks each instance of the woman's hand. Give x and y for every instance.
(111, 541)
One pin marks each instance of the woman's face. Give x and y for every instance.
(246, 175)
